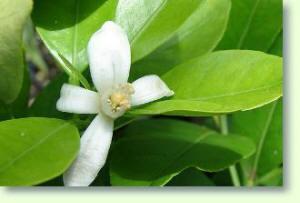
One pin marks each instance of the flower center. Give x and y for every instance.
(115, 102)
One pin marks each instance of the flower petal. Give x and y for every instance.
(109, 56)
(74, 99)
(149, 88)
(94, 146)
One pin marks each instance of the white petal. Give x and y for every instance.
(109, 56)
(74, 99)
(94, 146)
(149, 88)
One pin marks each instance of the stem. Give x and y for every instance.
(252, 178)
(232, 169)
(234, 176)
(73, 80)
(75, 77)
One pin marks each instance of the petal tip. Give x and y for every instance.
(110, 24)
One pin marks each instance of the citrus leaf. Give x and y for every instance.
(264, 127)
(197, 36)
(150, 23)
(220, 82)
(66, 26)
(13, 17)
(33, 150)
(151, 152)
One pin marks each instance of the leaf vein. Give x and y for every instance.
(237, 93)
(262, 139)
(32, 147)
(75, 34)
(243, 36)
(182, 152)
(148, 21)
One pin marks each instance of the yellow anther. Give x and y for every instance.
(118, 101)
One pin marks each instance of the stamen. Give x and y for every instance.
(119, 100)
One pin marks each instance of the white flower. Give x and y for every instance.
(109, 58)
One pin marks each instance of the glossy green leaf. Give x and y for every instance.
(13, 16)
(264, 127)
(151, 23)
(276, 47)
(151, 152)
(75, 77)
(191, 177)
(220, 82)
(19, 107)
(65, 26)
(273, 178)
(253, 25)
(33, 150)
(198, 35)
(258, 27)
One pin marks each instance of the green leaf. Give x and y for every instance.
(151, 23)
(74, 74)
(191, 177)
(123, 121)
(33, 150)
(12, 20)
(276, 47)
(273, 178)
(198, 35)
(66, 26)
(151, 152)
(258, 27)
(19, 107)
(220, 82)
(264, 127)
(253, 25)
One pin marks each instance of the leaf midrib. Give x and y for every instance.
(235, 93)
(25, 152)
(274, 39)
(181, 153)
(243, 36)
(263, 138)
(148, 22)
(185, 33)
(75, 34)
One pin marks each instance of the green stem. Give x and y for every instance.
(232, 169)
(251, 180)
(75, 77)
(234, 176)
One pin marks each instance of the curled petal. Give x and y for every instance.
(74, 99)
(109, 56)
(149, 88)
(94, 146)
